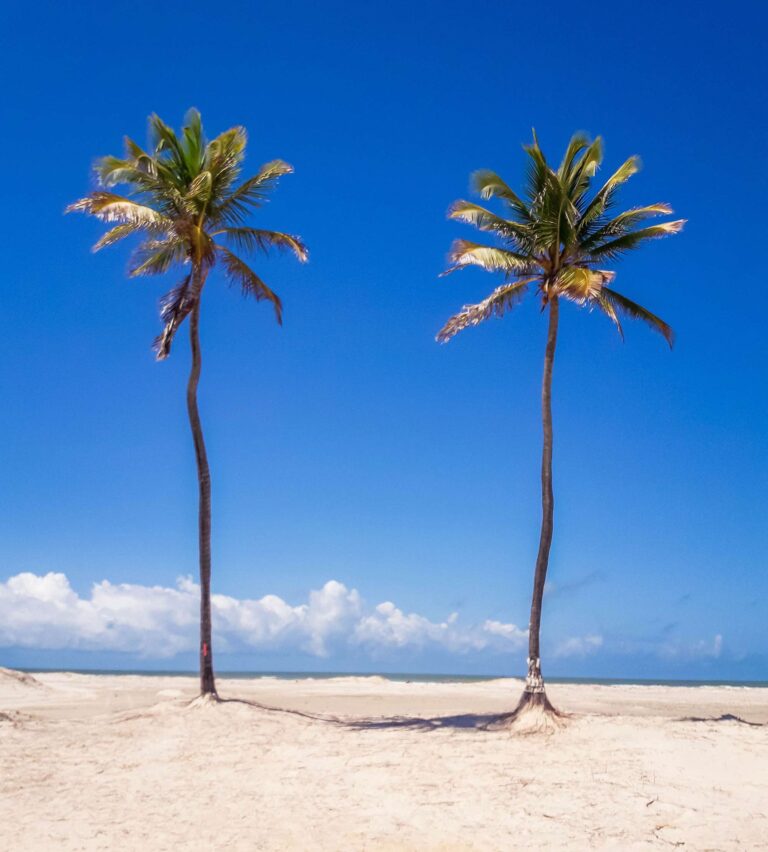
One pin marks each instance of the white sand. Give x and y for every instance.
(122, 762)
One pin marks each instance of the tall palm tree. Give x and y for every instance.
(553, 240)
(185, 200)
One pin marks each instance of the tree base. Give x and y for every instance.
(206, 699)
(534, 714)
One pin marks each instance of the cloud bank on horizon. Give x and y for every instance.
(45, 612)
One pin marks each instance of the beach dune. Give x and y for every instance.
(347, 763)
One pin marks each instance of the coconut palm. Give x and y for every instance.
(186, 202)
(553, 241)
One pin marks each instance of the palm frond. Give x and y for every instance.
(502, 300)
(224, 157)
(626, 307)
(193, 142)
(580, 284)
(540, 175)
(165, 141)
(488, 184)
(558, 235)
(552, 210)
(109, 207)
(579, 141)
(465, 253)
(139, 171)
(578, 181)
(259, 240)
(154, 257)
(174, 308)
(114, 235)
(240, 273)
(622, 223)
(608, 309)
(179, 193)
(614, 248)
(485, 220)
(251, 193)
(603, 196)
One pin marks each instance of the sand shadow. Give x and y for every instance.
(726, 717)
(315, 717)
(464, 721)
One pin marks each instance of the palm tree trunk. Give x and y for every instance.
(534, 694)
(207, 684)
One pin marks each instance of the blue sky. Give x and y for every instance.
(348, 445)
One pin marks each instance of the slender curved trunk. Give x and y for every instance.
(534, 683)
(207, 684)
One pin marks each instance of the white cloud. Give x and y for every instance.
(698, 649)
(579, 646)
(158, 621)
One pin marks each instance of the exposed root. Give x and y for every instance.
(725, 717)
(206, 699)
(534, 714)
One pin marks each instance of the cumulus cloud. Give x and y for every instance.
(43, 611)
(579, 646)
(699, 649)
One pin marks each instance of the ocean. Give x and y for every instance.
(407, 677)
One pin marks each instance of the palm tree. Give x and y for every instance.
(186, 203)
(553, 240)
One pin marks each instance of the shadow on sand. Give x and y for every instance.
(726, 717)
(476, 721)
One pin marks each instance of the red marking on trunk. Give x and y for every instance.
(205, 649)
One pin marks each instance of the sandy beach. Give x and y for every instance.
(124, 762)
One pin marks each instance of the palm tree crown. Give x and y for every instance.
(556, 237)
(185, 201)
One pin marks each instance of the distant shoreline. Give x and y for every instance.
(401, 677)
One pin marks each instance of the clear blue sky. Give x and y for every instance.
(348, 445)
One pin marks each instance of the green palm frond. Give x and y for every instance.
(502, 299)
(155, 257)
(623, 223)
(488, 184)
(485, 220)
(580, 164)
(139, 171)
(182, 192)
(609, 310)
(579, 142)
(542, 181)
(578, 181)
(623, 306)
(114, 235)
(165, 142)
(613, 248)
(560, 231)
(193, 142)
(604, 196)
(258, 240)
(251, 193)
(224, 157)
(240, 273)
